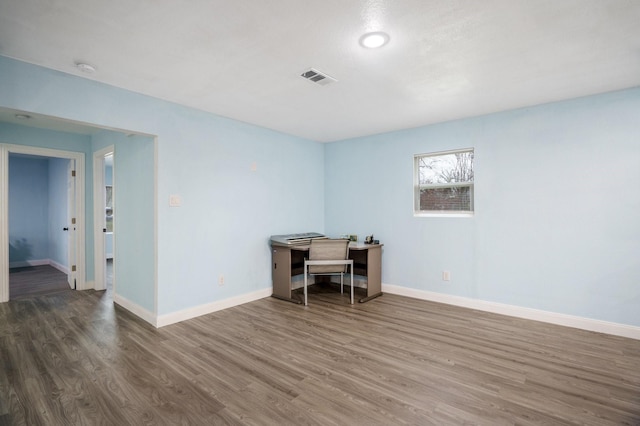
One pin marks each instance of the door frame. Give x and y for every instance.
(79, 240)
(98, 217)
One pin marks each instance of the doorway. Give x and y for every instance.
(104, 218)
(69, 256)
(40, 212)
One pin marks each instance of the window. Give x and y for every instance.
(443, 183)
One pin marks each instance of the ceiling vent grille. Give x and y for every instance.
(318, 77)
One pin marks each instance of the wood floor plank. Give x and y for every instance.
(36, 281)
(76, 358)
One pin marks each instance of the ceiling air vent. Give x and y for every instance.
(318, 77)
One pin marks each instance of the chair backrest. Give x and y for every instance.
(329, 249)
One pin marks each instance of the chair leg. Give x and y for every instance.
(341, 282)
(351, 282)
(305, 285)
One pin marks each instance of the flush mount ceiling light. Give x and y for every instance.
(374, 40)
(85, 68)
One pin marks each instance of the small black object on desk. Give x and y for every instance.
(369, 240)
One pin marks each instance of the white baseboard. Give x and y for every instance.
(62, 268)
(174, 317)
(208, 308)
(40, 262)
(599, 326)
(26, 263)
(135, 309)
(589, 324)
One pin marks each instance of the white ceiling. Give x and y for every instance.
(243, 58)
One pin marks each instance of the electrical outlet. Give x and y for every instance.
(221, 280)
(446, 276)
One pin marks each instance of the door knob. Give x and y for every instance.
(65, 229)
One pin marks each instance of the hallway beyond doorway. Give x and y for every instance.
(36, 281)
(31, 281)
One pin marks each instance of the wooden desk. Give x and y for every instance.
(288, 261)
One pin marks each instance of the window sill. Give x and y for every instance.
(443, 214)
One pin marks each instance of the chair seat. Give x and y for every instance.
(328, 257)
(346, 262)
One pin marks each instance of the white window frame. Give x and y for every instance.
(417, 187)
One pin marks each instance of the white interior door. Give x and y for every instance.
(102, 230)
(110, 227)
(71, 222)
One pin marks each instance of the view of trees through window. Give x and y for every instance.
(444, 182)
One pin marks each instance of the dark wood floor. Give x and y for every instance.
(36, 280)
(75, 358)
(41, 280)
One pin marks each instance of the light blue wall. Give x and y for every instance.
(556, 226)
(28, 209)
(134, 218)
(58, 207)
(556, 198)
(228, 211)
(134, 224)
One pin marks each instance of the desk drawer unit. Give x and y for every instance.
(281, 272)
